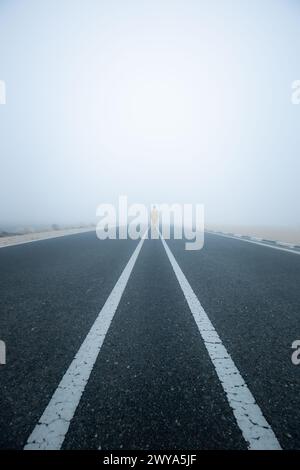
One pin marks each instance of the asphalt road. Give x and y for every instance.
(154, 382)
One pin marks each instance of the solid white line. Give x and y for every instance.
(255, 242)
(289, 245)
(255, 429)
(50, 432)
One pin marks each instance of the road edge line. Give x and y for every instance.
(255, 241)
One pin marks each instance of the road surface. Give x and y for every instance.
(122, 344)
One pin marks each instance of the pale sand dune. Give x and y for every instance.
(283, 234)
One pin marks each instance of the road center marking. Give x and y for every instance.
(50, 432)
(255, 429)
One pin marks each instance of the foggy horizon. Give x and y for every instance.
(165, 102)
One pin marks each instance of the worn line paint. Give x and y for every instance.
(255, 429)
(50, 432)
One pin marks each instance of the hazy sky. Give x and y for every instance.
(161, 100)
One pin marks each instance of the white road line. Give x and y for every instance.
(50, 432)
(254, 240)
(289, 245)
(256, 431)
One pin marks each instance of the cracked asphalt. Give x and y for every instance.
(153, 385)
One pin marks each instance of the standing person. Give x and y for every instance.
(154, 220)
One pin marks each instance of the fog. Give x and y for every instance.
(165, 101)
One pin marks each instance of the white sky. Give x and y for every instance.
(161, 100)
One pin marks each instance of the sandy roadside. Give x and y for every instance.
(31, 237)
(283, 234)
